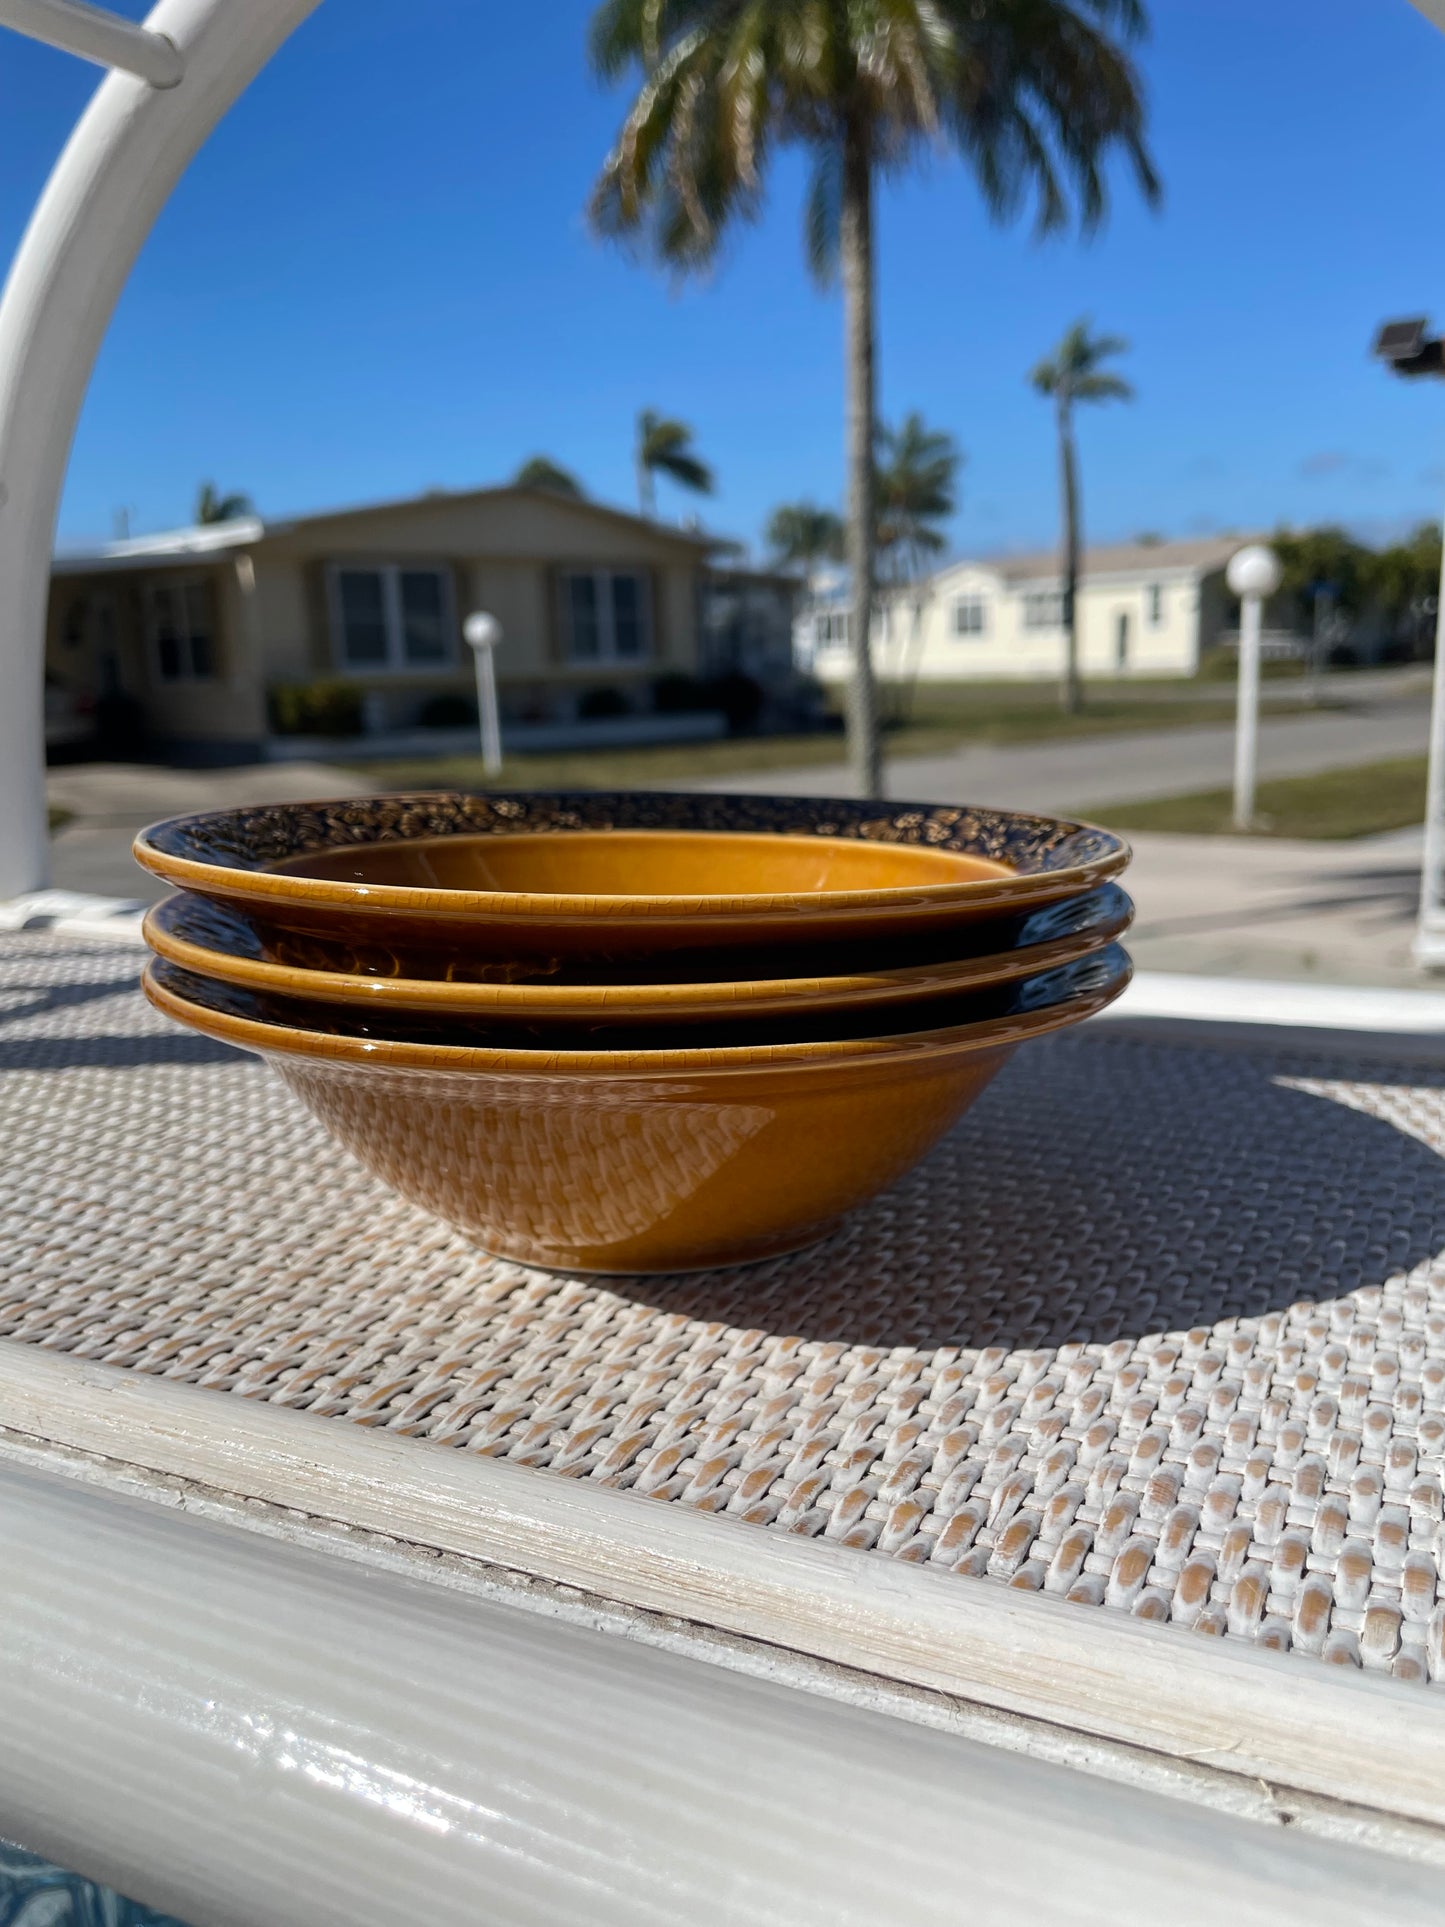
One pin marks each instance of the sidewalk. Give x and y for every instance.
(1254, 907)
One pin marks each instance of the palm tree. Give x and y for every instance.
(802, 535)
(1033, 94)
(1073, 373)
(540, 471)
(214, 507)
(664, 446)
(915, 488)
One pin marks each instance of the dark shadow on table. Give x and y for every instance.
(1109, 1188)
(37, 1000)
(113, 1053)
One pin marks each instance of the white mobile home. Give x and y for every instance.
(1145, 609)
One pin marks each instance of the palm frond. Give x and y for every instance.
(1073, 372)
(664, 447)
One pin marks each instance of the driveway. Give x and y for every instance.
(109, 802)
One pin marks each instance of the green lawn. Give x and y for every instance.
(1341, 803)
(943, 716)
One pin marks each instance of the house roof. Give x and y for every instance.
(1122, 558)
(180, 545)
(172, 545)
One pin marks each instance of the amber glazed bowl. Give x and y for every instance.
(227, 945)
(636, 874)
(640, 1159)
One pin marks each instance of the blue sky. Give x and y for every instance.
(377, 278)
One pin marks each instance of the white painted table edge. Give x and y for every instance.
(1371, 1743)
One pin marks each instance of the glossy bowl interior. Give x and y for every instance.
(599, 864)
(636, 873)
(638, 1159)
(228, 945)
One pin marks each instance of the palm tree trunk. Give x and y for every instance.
(856, 248)
(646, 490)
(1073, 689)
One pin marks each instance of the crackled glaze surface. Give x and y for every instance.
(226, 944)
(256, 838)
(640, 1161)
(237, 856)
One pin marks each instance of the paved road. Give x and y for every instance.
(112, 802)
(1113, 769)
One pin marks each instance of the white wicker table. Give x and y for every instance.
(791, 1593)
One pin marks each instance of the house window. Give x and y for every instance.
(832, 630)
(970, 616)
(1043, 609)
(605, 616)
(392, 617)
(181, 620)
(1155, 597)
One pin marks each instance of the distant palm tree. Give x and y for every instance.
(1033, 94)
(1072, 374)
(213, 507)
(540, 471)
(801, 535)
(916, 488)
(664, 446)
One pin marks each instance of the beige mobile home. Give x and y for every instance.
(206, 630)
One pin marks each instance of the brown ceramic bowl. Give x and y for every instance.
(227, 945)
(610, 876)
(647, 1159)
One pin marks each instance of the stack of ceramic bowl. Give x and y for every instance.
(626, 1033)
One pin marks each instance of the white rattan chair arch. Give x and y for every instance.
(171, 81)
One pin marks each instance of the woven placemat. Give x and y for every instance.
(1158, 1328)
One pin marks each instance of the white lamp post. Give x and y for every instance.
(483, 633)
(1253, 574)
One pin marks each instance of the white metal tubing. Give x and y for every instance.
(251, 1734)
(118, 169)
(1430, 930)
(96, 35)
(1246, 725)
(487, 711)
(483, 632)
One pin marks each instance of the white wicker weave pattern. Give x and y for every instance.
(1161, 1329)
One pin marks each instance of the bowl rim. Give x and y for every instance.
(293, 1041)
(279, 889)
(638, 1001)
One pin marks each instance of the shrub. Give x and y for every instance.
(739, 697)
(316, 709)
(679, 695)
(595, 704)
(448, 711)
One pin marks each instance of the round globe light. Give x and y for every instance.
(1254, 571)
(482, 631)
